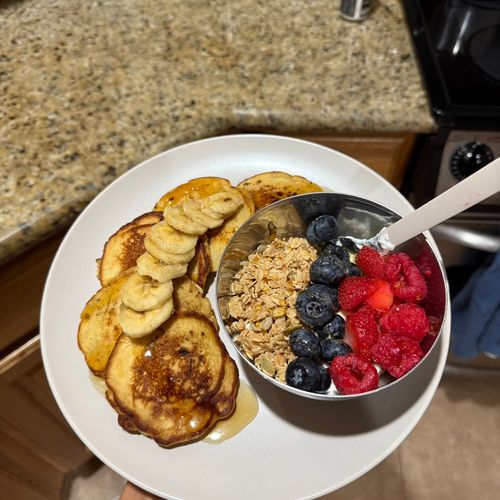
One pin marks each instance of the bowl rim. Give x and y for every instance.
(314, 395)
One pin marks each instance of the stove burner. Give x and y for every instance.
(458, 44)
(484, 48)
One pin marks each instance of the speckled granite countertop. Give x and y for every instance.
(89, 89)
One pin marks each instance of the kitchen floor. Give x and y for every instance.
(453, 453)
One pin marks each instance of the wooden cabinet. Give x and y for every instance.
(386, 153)
(39, 453)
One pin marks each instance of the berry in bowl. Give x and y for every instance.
(319, 317)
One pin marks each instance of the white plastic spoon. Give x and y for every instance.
(467, 193)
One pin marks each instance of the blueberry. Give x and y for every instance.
(315, 305)
(322, 229)
(353, 270)
(305, 343)
(332, 348)
(325, 380)
(330, 248)
(328, 293)
(335, 329)
(327, 270)
(303, 373)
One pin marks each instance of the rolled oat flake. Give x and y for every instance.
(355, 10)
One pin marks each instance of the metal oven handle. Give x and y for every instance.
(467, 237)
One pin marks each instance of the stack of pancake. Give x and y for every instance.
(175, 383)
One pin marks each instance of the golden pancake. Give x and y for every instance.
(124, 247)
(268, 187)
(99, 327)
(164, 384)
(201, 187)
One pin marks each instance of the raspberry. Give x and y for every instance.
(407, 320)
(381, 300)
(361, 332)
(397, 355)
(353, 290)
(407, 283)
(370, 262)
(353, 375)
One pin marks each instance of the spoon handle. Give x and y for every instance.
(465, 194)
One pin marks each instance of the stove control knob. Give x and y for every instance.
(469, 158)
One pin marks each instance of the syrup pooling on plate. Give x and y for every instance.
(247, 407)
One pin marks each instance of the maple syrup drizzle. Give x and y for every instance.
(247, 407)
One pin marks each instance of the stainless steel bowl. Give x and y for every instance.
(356, 217)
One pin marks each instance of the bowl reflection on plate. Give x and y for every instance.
(356, 217)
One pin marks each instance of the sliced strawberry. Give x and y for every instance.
(354, 290)
(361, 332)
(370, 262)
(381, 300)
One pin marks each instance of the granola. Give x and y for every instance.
(262, 306)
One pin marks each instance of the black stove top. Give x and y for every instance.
(458, 46)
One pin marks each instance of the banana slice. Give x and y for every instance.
(192, 208)
(167, 257)
(141, 293)
(221, 204)
(137, 324)
(182, 222)
(147, 265)
(170, 240)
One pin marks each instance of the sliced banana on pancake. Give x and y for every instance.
(141, 293)
(147, 265)
(170, 245)
(182, 222)
(200, 187)
(192, 208)
(171, 240)
(137, 324)
(221, 204)
(168, 257)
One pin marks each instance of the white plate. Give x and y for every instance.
(295, 448)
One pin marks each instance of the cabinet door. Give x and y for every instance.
(39, 453)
